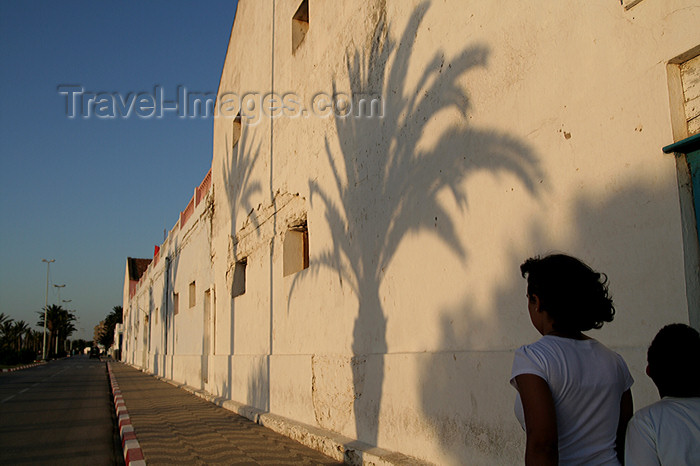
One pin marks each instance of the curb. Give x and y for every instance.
(26, 366)
(133, 456)
(336, 446)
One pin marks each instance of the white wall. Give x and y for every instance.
(184, 257)
(508, 131)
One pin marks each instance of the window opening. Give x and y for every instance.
(238, 287)
(296, 249)
(236, 131)
(300, 25)
(684, 95)
(193, 294)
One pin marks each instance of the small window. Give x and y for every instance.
(176, 303)
(193, 294)
(296, 249)
(300, 25)
(236, 132)
(238, 287)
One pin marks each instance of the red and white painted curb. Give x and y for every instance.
(133, 456)
(26, 366)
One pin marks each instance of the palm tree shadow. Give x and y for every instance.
(387, 183)
(237, 167)
(242, 153)
(241, 156)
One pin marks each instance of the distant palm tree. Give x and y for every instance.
(33, 340)
(6, 327)
(59, 322)
(20, 330)
(105, 334)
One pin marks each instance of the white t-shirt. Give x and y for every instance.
(587, 381)
(666, 432)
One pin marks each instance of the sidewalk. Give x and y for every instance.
(173, 426)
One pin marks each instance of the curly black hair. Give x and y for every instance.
(674, 361)
(574, 295)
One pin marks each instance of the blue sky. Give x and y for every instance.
(88, 192)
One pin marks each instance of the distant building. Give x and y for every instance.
(118, 338)
(350, 262)
(97, 331)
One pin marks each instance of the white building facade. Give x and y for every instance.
(381, 169)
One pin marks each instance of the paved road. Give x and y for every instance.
(58, 413)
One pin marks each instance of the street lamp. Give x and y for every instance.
(58, 289)
(63, 301)
(46, 304)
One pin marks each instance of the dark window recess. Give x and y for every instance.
(300, 25)
(238, 286)
(193, 294)
(236, 133)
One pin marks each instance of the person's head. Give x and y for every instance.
(674, 361)
(573, 295)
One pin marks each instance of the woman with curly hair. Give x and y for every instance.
(574, 398)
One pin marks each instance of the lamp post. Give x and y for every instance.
(65, 344)
(64, 301)
(58, 289)
(46, 304)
